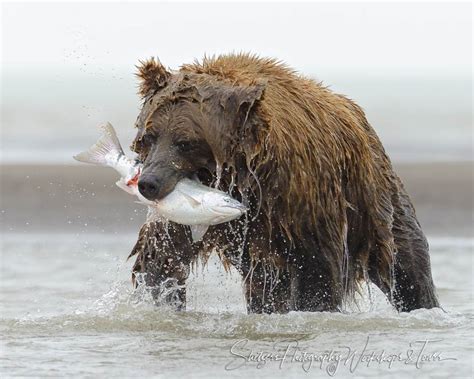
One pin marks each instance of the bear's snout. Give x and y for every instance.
(149, 186)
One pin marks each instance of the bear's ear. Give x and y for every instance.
(153, 76)
(238, 101)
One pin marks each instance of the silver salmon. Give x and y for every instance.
(190, 203)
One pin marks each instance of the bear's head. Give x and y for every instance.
(193, 124)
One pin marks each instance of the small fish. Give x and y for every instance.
(190, 203)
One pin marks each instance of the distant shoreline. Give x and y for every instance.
(68, 198)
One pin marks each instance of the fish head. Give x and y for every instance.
(222, 207)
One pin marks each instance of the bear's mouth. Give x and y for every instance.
(205, 176)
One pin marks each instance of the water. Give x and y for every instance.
(68, 309)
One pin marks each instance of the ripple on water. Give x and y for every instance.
(126, 311)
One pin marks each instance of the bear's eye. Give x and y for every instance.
(185, 146)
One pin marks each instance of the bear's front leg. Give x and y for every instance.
(267, 277)
(268, 288)
(164, 253)
(315, 281)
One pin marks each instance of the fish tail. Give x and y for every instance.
(108, 143)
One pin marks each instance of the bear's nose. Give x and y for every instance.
(149, 186)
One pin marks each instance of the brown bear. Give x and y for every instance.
(327, 211)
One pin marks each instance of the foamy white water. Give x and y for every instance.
(68, 309)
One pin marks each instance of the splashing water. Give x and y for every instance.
(69, 309)
(218, 175)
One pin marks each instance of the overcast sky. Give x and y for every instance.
(385, 36)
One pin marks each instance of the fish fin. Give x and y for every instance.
(198, 231)
(106, 144)
(193, 201)
(122, 185)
